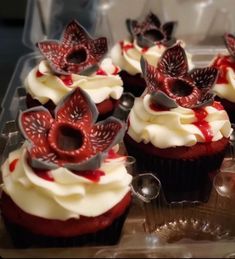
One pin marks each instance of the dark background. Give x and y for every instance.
(12, 14)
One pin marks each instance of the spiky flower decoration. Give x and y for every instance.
(71, 139)
(75, 52)
(151, 31)
(229, 40)
(171, 84)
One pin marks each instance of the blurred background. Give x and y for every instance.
(12, 15)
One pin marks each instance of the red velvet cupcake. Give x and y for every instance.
(176, 129)
(148, 38)
(225, 84)
(76, 60)
(66, 186)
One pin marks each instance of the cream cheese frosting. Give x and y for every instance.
(42, 84)
(226, 90)
(127, 54)
(69, 195)
(176, 127)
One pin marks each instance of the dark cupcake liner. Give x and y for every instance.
(23, 238)
(182, 180)
(134, 84)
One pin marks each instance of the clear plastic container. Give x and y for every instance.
(183, 229)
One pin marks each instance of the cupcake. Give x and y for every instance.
(149, 39)
(176, 129)
(75, 60)
(225, 84)
(66, 185)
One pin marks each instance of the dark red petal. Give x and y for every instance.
(230, 43)
(168, 28)
(74, 33)
(53, 52)
(153, 19)
(173, 62)
(204, 78)
(184, 92)
(34, 124)
(106, 134)
(131, 24)
(43, 157)
(150, 74)
(99, 47)
(77, 107)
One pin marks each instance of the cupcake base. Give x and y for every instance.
(183, 178)
(134, 84)
(28, 231)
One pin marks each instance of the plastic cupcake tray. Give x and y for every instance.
(153, 228)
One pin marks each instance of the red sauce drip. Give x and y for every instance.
(67, 79)
(112, 154)
(13, 165)
(157, 108)
(126, 47)
(116, 71)
(101, 72)
(203, 125)
(39, 74)
(222, 63)
(218, 106)
(92, 175)
(145, 49)
(44, 174)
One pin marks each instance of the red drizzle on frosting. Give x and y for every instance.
(92, 175)
(218, 106)
(112, 154)
(145, 49)
(126, 47)
(101, 72)
(39, 74)
(44, 174)
(13, 165)
(67, 79)
(223, 63)
(203, 125)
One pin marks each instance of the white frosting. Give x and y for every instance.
(174, 127)
(227, 91)
(51, 87)
(69, 195)
(129, 59)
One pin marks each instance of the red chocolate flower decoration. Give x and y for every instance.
(151, 31)
(71, 139)
(230, 43)
(75, 52)
(171, 84)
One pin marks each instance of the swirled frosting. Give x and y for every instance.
(225, 85)
(127, 54)
(62, 194)
(42, 84)
(178, 126)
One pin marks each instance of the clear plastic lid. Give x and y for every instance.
(200, 22)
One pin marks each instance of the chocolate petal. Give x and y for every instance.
(169, 28)
(90, 164)
(207, 100)
(54, 54)
(77, 107)
(230, 43)
(150, 74)
(131, 25)
(153, 19)
(173, 62)
(204, 78)
(160, 98)
(34, 124)
(74, 33)
(105, 134)
(144, 42)
(98, 48)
